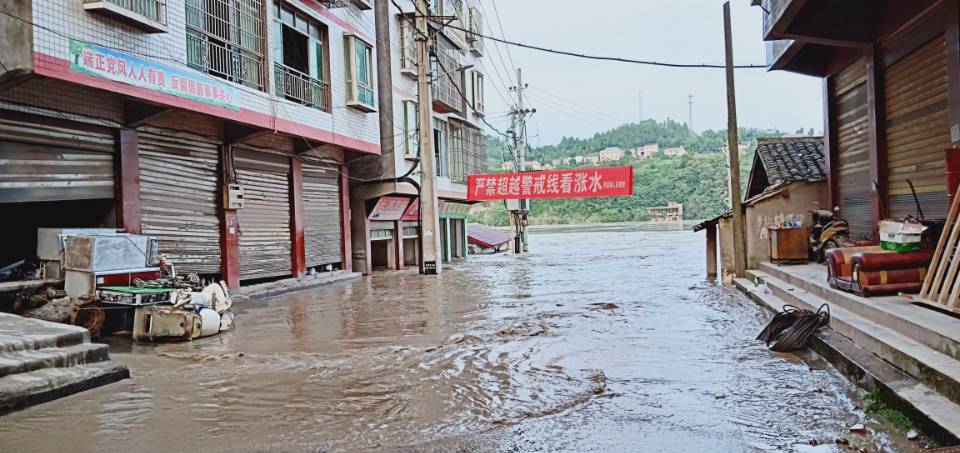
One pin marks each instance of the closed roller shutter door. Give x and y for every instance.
(849, 97)
(178, 196)
(265, 216)
(49, 163)
(321, 212)
(917, 130)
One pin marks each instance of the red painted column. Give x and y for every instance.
(127, 182)
(398, 240)
(298, 258)
(229, 225)
(345, 236)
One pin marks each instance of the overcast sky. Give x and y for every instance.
(576, 97)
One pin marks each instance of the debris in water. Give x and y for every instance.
(912, 434)
(606, 306)
(842, 441)
(858, 428)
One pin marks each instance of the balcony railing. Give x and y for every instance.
(149, 14)
(299, 87)
(224, 61)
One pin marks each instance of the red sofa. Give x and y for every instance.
(871, 270)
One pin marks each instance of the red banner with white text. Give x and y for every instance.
(574, 183)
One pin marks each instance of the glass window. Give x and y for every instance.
(359, 69)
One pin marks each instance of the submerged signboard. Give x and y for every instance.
(574, 183)
(109, 64)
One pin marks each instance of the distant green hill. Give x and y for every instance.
(698, 179)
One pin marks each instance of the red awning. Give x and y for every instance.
(486, 237)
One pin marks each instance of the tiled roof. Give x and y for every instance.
(792, 159)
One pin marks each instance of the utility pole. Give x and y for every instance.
(739, 238)
(690, 112)
(640, 107)
(429, 220)
(519, 128)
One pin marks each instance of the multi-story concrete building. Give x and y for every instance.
(390, 239)
(646, 152)
(153, 115)
(611, 154)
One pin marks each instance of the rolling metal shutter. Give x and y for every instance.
(265, 217)
(178, 196)
(321, 212)
(917, 120)
(41, 162)
(849, 98)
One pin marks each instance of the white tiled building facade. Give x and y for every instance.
(57, 21)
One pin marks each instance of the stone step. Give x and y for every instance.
(18, 391)
(930, 367)
(29, 360)
(934, 329)
(23, 334)
(934, 413)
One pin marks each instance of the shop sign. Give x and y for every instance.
(574, 183)
(413, 211)
(109, 64)
(389, 208)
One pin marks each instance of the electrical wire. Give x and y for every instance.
(607, 58)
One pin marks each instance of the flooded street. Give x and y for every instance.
(602, 339)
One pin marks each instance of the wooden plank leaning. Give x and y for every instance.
(934, 279)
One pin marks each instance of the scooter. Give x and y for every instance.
(828, 232)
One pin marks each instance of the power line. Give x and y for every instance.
(606, 58)
(567, 101)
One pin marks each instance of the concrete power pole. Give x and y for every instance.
(519, 128)
(429, 220)
(690, 112)
(739, 236)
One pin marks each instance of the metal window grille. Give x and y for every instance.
(408, 46)
(225, 38)
(466, 151)
(476, 29)
(455, 151)
(447, 83)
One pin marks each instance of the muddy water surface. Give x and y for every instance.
(602, 339)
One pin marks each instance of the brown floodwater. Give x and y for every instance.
(602, 339)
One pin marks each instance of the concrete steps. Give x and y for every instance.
(934, 329)
(41, 361)
(35, 359)
(923, 381)
(933, 368)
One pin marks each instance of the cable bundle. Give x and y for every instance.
(791, 329)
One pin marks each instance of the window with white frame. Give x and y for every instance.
(411, 135)
(358, 55)
(408, 46)
(300, 57)
(474, 38)
(477, 99)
